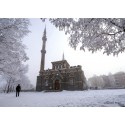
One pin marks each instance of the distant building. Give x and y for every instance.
(62, 76)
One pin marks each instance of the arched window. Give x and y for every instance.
(61, 66)
(46, 82)
(71, 81)
(55, 67)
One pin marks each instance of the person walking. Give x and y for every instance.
(18, 89)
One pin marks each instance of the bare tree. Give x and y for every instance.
(112, 81)
(15, 76)
(96, 82)
(119, 79)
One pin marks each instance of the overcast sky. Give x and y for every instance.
(57, 43)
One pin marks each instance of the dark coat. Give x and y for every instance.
(18, 88)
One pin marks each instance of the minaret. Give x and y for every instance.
(43, 51)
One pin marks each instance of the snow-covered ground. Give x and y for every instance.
(90, 98)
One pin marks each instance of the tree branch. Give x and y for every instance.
(89, 22)
(112, 22)
(110, 34)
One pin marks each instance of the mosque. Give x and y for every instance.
(62, 76)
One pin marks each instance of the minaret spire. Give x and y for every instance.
(63, 56)
(43, 51)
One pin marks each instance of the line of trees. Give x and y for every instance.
(116, 80)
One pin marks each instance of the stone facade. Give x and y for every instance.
(62, 76)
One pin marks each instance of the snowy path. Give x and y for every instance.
(93, 98)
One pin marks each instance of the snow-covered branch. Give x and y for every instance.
(12, 30)
(106, 34)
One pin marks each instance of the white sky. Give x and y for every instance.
(57, 43)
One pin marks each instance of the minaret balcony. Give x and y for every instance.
(43, 51)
